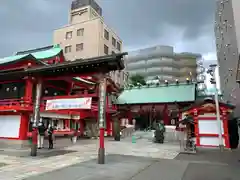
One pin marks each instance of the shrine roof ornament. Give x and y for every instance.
(172, 93)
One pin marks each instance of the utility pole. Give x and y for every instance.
(36, 117)
(212, 72)
(102, 119)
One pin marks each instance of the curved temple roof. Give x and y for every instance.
(35, 56)
(158, 94)
(102, 64)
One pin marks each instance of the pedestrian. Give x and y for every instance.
(50, 136)
(74, 136)
(159, 132)
(41, 134)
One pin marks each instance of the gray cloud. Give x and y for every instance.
(147, 19)
(29, 24)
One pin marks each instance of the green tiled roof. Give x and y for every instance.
(47, 53)
(16, 58)
(158, 94)
(33, 56)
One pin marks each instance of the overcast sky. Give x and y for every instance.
(185, 24)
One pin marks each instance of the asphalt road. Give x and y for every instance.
(118, 167)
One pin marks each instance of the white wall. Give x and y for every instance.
(10, 125)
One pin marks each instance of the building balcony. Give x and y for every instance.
(136, 65)
(149, 55)
(161, 63)
(162, 70)
(187, 63)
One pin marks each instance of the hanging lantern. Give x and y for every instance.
(200, 69)
(201, 87)
(166, 82)
(177, 81)
(201, 78)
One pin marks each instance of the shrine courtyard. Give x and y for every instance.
(124, 161)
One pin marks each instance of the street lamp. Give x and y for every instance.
(212, 72)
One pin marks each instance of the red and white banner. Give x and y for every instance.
(77, 103)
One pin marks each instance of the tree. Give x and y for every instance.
(137, 79)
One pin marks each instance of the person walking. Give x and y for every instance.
(50, 136)
(41, 134)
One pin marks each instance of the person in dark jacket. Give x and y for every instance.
(233, 133)
(159, 132)
(41, 134)
(50, 136)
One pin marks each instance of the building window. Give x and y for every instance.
(106, 34)
(113, 52)
(119, 46)
(79, 47)
(105, 49)
(69, 35)
(113, 41)
(68, 49)
(80, 32)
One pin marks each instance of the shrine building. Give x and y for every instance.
(70, 101)
(66, 102)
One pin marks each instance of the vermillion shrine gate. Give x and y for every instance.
(69, 93)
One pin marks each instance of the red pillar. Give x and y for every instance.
(166, 118)
(24, 122)
(34, 136)
(225, 128)
(23, 126)
(196, 127)
(101, 138)
(129, 117)
(28, 91)
(67, 123)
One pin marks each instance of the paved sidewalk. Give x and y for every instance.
(20, 168)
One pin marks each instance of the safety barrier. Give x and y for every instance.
(171, 135)
(127, 132)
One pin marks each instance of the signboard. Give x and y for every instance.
(102, 103)
(77, 103)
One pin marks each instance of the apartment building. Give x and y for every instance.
(227, 34)
(86, 35)
(164, 63)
